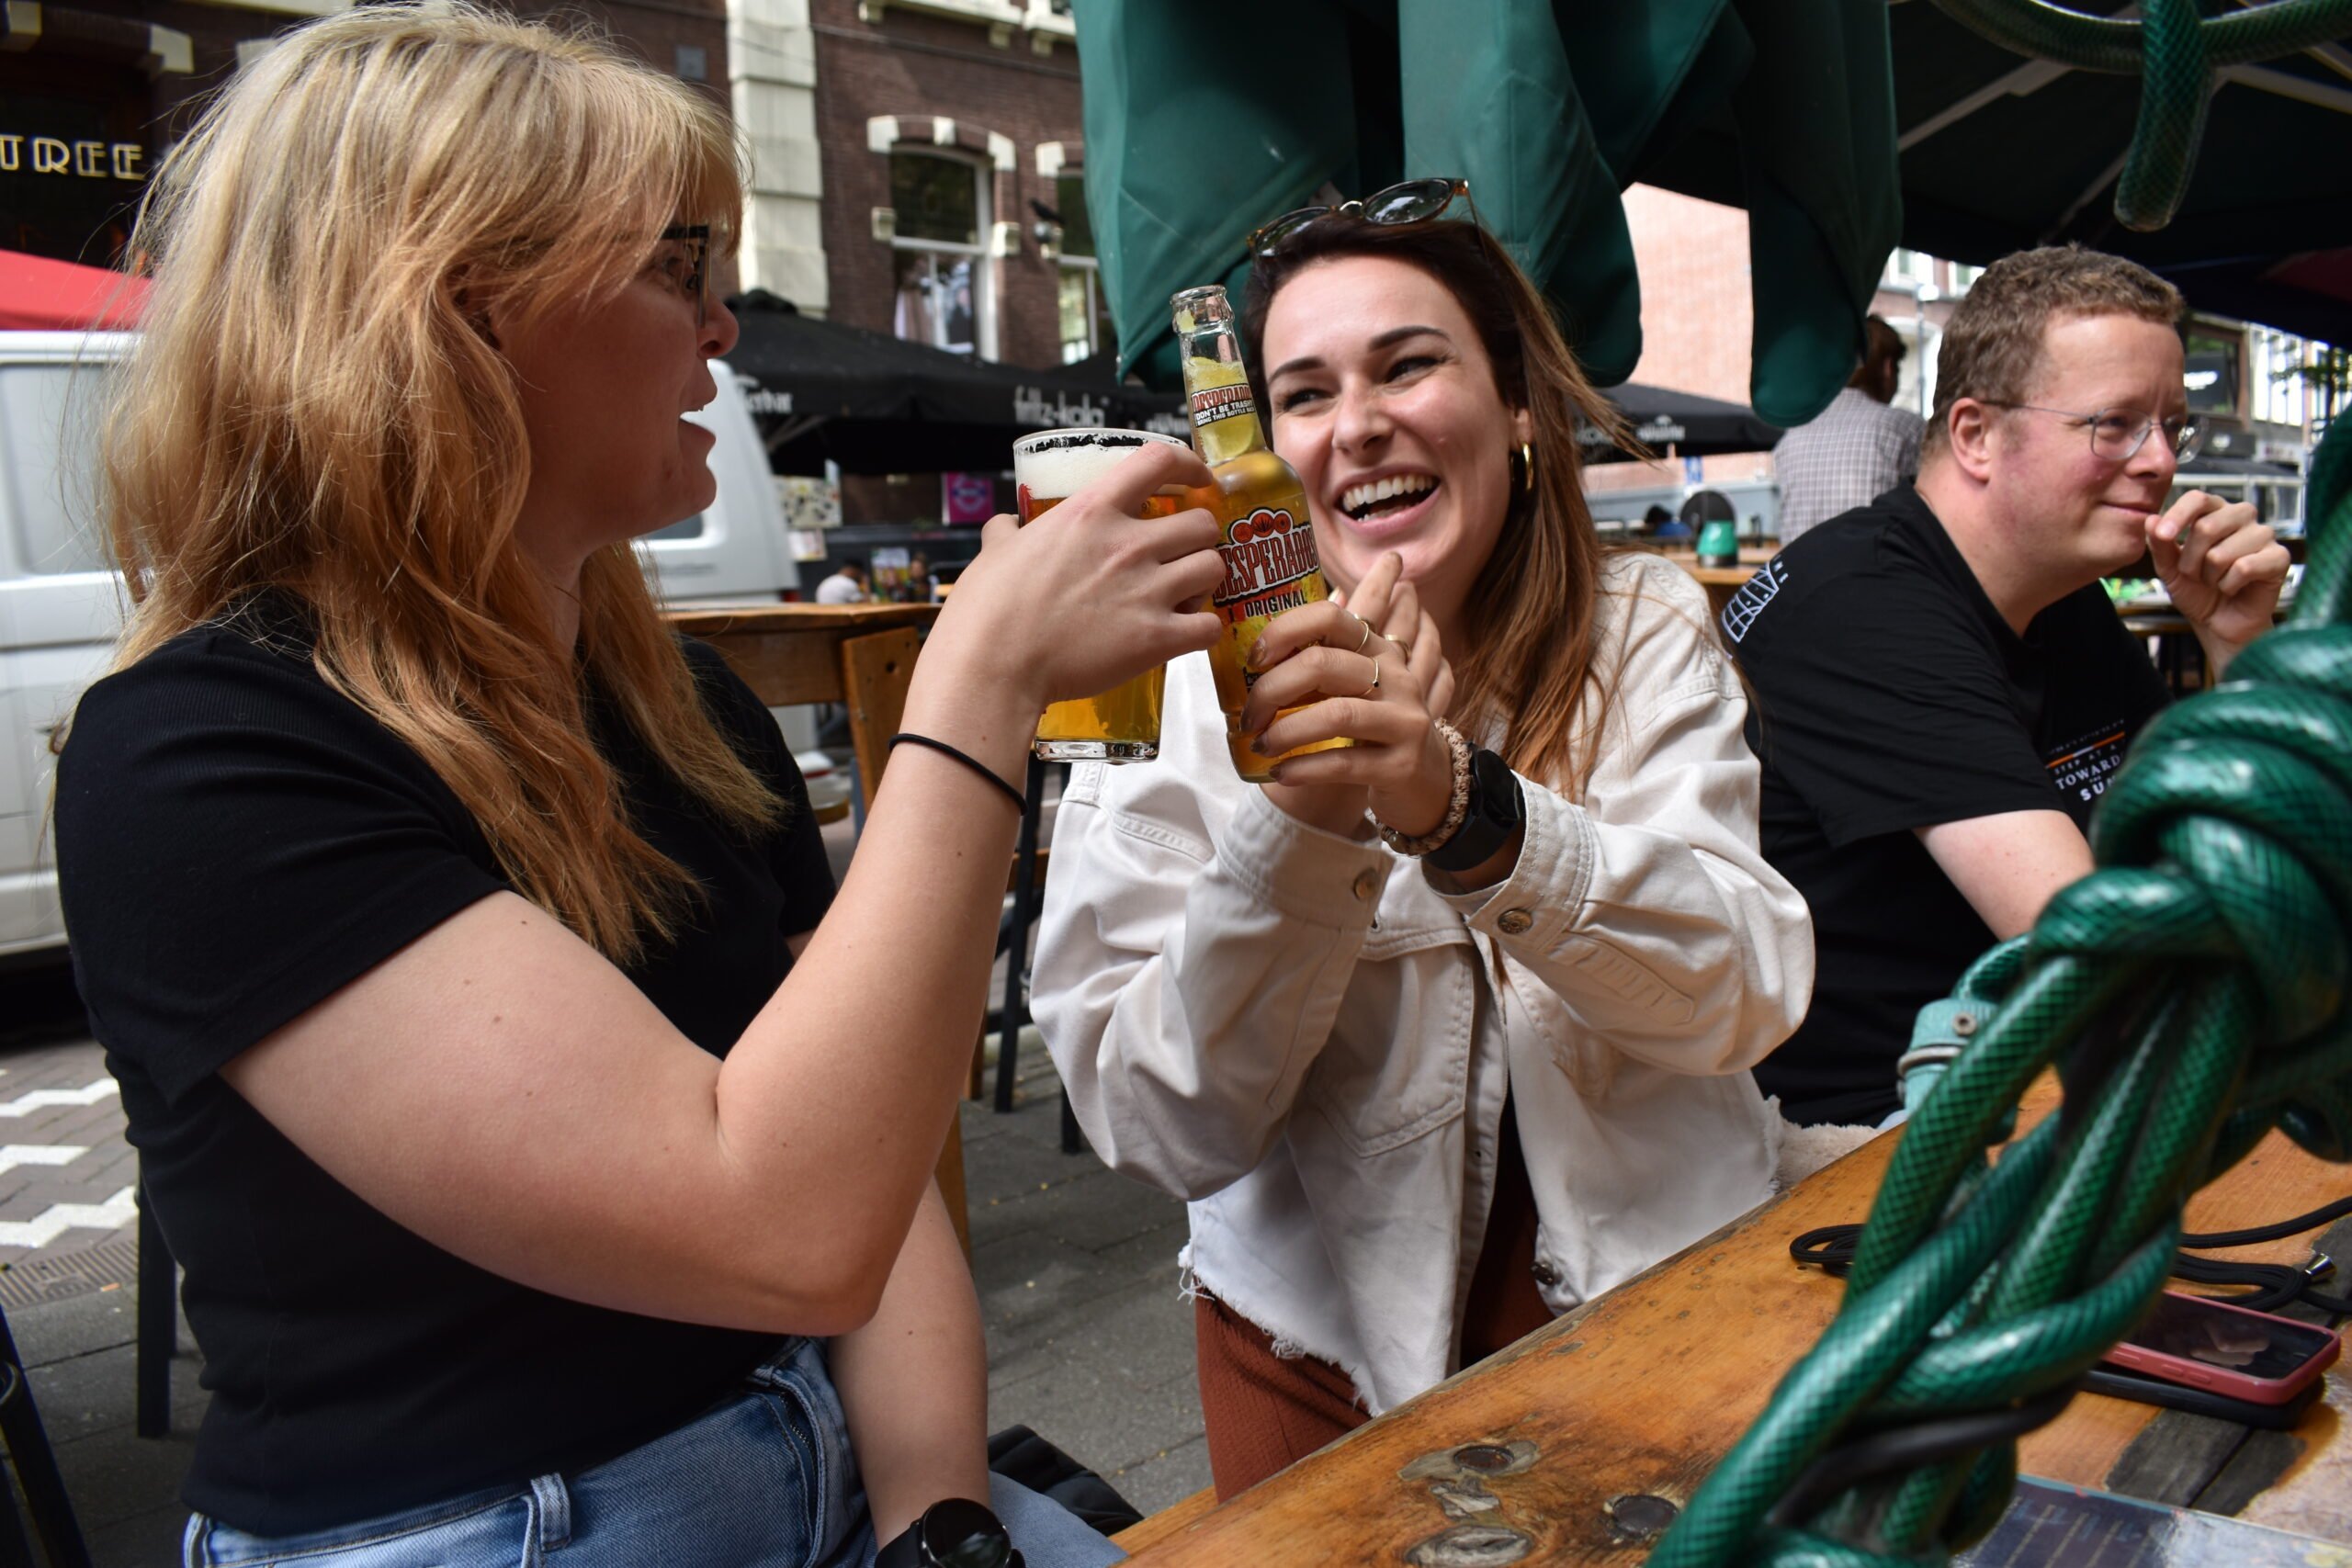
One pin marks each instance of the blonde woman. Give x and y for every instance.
(453, 930)
(1426, 1092)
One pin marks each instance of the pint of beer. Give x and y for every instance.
(1121, 725)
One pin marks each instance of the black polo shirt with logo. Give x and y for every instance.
(1890, 695)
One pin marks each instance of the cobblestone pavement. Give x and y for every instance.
(66, 1174)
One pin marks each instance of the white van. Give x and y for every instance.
(60, 607)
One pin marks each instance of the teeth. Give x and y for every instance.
(1355, 498)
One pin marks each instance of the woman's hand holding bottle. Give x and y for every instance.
(1373, 669)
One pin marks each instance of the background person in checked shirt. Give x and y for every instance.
(1858, 449)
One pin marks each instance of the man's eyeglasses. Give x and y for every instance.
(684, 261)
(2117, 434)
(1411, 202)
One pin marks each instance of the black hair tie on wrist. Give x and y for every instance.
(1019, 801)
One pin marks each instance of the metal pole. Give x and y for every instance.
(1016, 948)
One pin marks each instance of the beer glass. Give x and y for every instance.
(1121, 725)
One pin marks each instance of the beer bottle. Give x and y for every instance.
(1269, 544)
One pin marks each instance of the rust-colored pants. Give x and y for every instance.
(1263, 1412)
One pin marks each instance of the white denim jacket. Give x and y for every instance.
(1299, 1033)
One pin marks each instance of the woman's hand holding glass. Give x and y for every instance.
(1370, 667)
(1091, 591)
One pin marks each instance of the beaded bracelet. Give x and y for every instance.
(1455, 810)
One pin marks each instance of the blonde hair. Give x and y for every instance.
(1532, 671)
(316, 407)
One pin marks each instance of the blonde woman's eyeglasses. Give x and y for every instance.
(689, 269)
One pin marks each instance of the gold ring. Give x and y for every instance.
(1375, 688)
(1364, 640)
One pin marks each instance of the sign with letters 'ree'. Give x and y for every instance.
(81, 158)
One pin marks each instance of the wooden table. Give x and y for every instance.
(863, 655)
(1720, 582)
(1639, 1394)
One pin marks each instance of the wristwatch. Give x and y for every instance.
(954, 1532)
(1494, 814)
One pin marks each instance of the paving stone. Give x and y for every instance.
(59, 1330)
(113, 1476)
(1152, 1252)
(1102, 1422)
(91, 1395)
(144, 1541)
(1167, 1478)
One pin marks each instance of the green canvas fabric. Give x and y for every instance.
(1206, 118)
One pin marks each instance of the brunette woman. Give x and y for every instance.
(1447, 1032)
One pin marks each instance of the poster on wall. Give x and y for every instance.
(968, 497)
(809, 502)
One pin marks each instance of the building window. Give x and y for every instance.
(1909, 268)
(941, 276)
(2210, 375)
(1085, 316)
(694, 63)
(2277, 383)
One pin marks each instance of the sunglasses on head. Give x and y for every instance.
(1413, 201)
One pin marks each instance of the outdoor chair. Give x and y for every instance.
(36, 1462)
(157, 1329)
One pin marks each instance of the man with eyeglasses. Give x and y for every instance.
(1943, 689)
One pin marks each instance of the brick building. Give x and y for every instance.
(92, 92)
(920, 170)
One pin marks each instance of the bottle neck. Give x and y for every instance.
(1217, 384)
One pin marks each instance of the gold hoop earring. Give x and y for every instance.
(1527, 466)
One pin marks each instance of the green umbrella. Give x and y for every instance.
(1206, 118)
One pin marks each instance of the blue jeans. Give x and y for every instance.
(764, 1478)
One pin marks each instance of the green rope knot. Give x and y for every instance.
(2191, 995)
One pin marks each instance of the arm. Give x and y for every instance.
(2223, 569)
(1646, 906)
(501, 1091)
(2007, 865)
(1189, 971)
(915, 1381)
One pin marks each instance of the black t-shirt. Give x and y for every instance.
(1890, 695)
(235, 842)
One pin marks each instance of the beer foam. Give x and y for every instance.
(1056, 468)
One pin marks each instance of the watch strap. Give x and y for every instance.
(1495, 812)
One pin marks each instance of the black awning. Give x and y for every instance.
(1694, 426)
(873, 403)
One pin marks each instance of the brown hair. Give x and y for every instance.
(311, 410)
(1535, 601)
(1882, 346)
(1991, 347)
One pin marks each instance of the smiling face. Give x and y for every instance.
(1384, 399)
(2080, 515)
(605, 388)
